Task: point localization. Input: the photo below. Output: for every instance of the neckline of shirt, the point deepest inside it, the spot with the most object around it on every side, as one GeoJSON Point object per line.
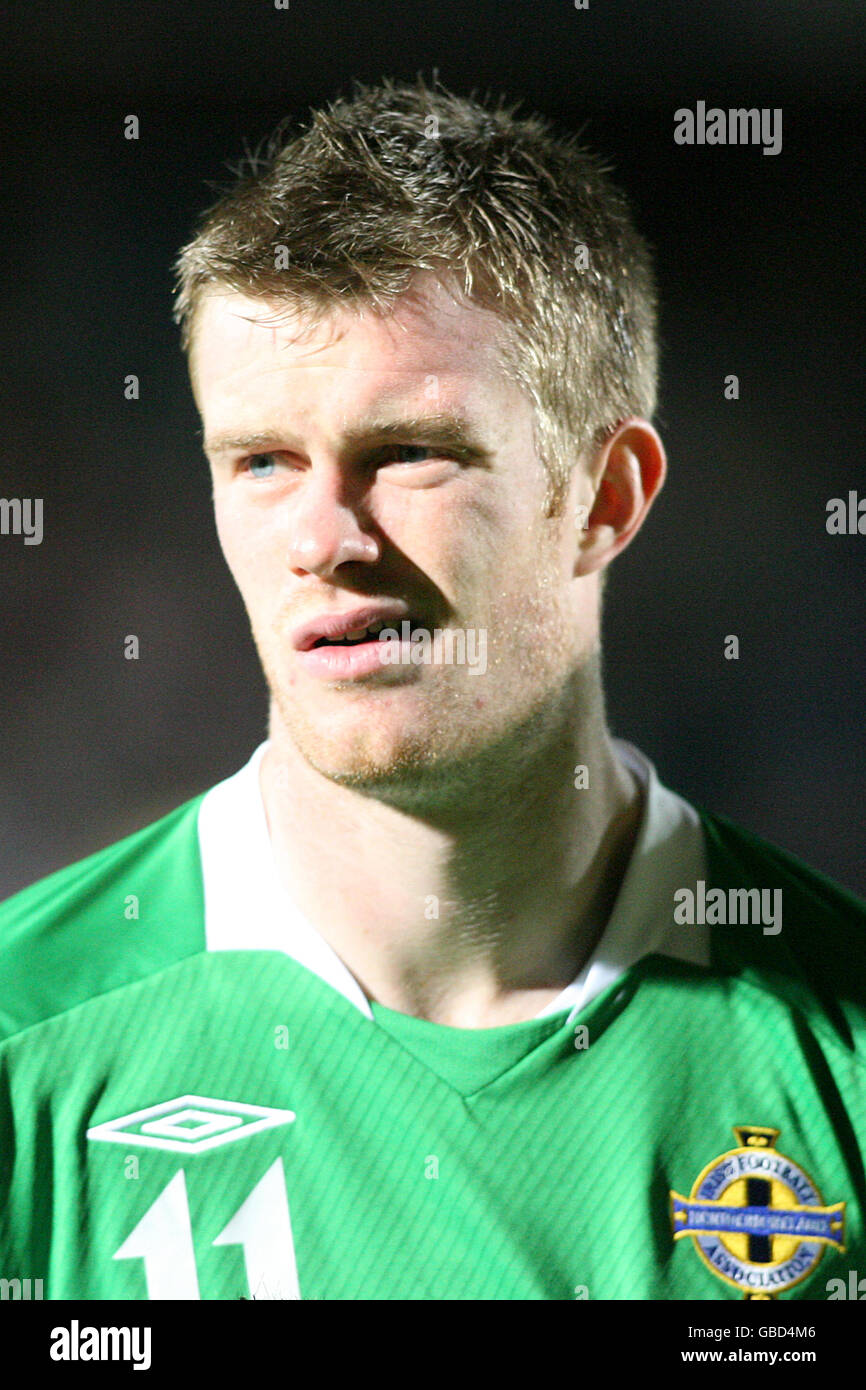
{"type": "Point", "coordinates": [246, 906]}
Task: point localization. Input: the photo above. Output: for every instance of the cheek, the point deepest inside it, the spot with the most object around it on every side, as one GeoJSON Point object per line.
{"type": "Point", "coordinates": [230, 535]}
{"type": "Point", "coordinates": [436, 536]}
{"type": "Point", "coordinates": [225, 529]}
{"type": "Point", "coordinates": [503, 544]}
{"type": "Point", "coordinates": [250, 547]}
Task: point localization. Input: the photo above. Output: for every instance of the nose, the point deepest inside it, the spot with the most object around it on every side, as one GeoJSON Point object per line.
{"type": "Point", "coordinates": [327, 527]}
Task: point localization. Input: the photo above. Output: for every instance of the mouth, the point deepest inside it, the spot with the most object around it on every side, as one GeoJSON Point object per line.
{"type": "Point", "coordinates": [365, 636]}
{"type": "Point", "coordinates": [353, 628]}
{"type": "Point", "coordinates": [349, 646]}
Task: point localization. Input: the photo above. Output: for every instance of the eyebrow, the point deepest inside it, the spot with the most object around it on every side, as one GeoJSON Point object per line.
{"type": "Point", "coordinates": [447, 430]}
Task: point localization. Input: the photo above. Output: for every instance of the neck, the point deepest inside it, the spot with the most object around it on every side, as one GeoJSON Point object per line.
{"type": "Point", "coordinates": [479, 905]}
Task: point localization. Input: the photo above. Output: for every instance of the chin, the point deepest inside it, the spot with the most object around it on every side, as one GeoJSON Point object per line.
{"type": "Point", "coordinates": [366, 757]}
{"type": "Point", "coordinates": [400, 754]}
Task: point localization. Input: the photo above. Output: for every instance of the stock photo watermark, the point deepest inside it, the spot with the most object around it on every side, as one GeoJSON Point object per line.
{"type": "Point", "coordinates": [22, 516]}
{"type": "Point", "coordinates": [417, 646]}
{"type": "Point", "coordinates": [736, 907]}
{"type": "Point", "coordinates": [736, 126]}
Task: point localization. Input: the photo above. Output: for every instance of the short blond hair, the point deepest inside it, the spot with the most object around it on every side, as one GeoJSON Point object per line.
{"type": "Point", "coordinates": [403, 178]}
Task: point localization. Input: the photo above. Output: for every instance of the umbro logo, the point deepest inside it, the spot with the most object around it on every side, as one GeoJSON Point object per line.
{"type": "Point", "coordinates": [190, 1124]}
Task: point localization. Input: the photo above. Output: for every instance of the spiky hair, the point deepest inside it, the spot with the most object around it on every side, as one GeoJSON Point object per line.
{"type": "Point", "coordinates": [403, 178]}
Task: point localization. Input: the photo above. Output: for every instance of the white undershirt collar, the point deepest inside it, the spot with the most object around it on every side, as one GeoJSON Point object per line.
{"type": "Point", "coordinates": [247, 908]}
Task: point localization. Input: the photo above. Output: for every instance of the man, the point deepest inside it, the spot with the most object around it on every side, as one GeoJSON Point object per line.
{"type": "Point", "coordinates": [443, 995]}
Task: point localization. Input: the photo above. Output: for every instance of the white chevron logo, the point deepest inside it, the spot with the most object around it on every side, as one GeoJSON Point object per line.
{"type": "Point", "coordinates": [190, 1124]}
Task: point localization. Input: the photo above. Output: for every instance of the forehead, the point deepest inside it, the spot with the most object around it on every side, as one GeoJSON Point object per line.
{"type": "Point", "coordinates": [427, 341]}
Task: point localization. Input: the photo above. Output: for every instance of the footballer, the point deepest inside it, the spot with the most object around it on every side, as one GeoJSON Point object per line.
{"type": "Point", "coordinates": [444, 995]}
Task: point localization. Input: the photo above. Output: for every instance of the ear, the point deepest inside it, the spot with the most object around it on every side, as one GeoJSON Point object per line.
{"type": "Point", "coordinates": [616, 491]}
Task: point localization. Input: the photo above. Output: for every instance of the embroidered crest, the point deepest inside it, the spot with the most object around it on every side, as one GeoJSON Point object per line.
{"type": "Point", "coordinates": [756, 1218]}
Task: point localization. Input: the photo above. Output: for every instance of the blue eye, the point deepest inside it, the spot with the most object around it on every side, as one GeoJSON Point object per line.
{"type": "Point", "coordinates": [262, 466]}
{"type": "Point", "coordinates": [414, 453]}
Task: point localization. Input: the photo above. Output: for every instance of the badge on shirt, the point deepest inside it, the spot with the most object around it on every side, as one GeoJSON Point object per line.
{"type": "Point", "coordinates": [757, 1220]}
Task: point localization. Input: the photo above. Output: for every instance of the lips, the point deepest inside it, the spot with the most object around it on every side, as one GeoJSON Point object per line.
{"type": "Point", "coordinates": [331, 627]}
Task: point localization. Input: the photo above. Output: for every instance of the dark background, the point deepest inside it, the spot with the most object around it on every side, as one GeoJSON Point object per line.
{"type": "Point", "coordinates": [761, 268]}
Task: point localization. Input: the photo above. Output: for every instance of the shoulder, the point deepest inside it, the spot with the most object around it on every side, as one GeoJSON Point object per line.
{"type": "Point", "coordinates": [738, 854]}
{"type": "Point", "coordinates": [813, 948]}
{"type": "Point", "coordinates": [114, 917]}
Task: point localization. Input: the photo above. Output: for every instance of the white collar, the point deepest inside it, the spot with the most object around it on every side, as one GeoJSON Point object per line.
{"type": "Point", "coordinates": [668, 853]}
{"type": "Point", "coordinates": [247, 908]}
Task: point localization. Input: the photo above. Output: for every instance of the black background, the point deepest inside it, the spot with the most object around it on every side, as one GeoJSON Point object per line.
{"type": "Point", "coordinates": [760, 263]}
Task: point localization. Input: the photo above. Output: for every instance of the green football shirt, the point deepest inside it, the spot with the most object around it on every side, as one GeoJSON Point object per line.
{"type": "Point", "coordinates": [199, 1102]}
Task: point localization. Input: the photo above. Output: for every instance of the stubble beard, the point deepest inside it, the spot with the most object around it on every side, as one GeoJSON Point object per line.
{"type": "Point", "coordinates": [455, 757]}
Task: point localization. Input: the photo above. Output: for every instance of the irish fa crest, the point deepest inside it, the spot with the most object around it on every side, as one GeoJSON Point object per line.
{"type": "Point", "coordinates": [756, 1219]}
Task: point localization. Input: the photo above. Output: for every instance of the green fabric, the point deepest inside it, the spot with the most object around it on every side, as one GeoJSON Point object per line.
{"type": "Point", "coordinates": [467, 1058]}
{"type": "Point", "coordinates": [423, 1162]}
